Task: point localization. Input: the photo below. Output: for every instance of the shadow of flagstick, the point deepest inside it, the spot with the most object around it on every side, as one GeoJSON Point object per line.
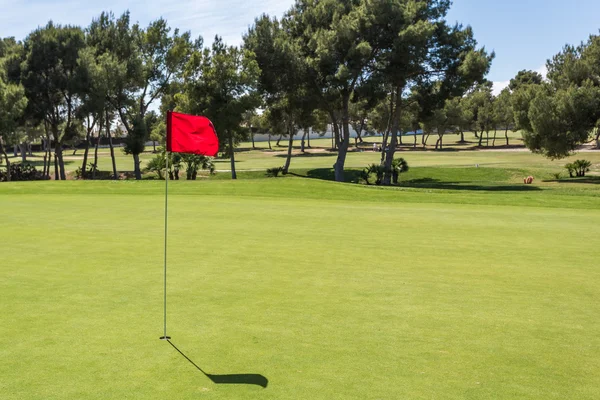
{"type": "Point", "coordinates": [234, 379]}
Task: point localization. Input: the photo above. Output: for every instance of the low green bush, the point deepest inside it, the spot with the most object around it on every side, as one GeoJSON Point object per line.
{"type": "Point", "coordinates": [21, 172]}
{"type": "Point", "coordinates": [578, 168]}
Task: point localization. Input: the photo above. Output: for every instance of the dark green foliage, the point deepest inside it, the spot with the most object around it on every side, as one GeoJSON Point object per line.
{"type": "Point", "coordinates": [399, 165]}
{"type": "Point", "coordinates": [274, 172]}
{"type": "Point", "coordinates": [523, 78]}
{"type": "Point", "coordinates": [175, 161]}
{"type": "Point", "coordinates": [374, 169]}
{"type": "Point", "coordinates": [136, 139]}
{"type": "Point", "coordinates": [194, 162]}
{"type": "Point", "coordinates": [157, 165]}
{"type": "Point", "coordinates": [560, 115]}
{"type": "Point", "coordinates": [561, 120]}
{"type": "Point", "coordinates": [578, 168]}
{"type": "Point", "coordinates": [21, 172]}
{"type": "Point", "coordinates": [91, 170]}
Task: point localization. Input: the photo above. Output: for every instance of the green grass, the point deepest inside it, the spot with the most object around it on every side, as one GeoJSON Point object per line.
{"type": "Point", "coordinates": [463, 286]}
{"type": "Point", "coordinates": [450, 141]}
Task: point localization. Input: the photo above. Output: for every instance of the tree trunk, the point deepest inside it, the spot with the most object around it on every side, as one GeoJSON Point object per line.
{"type": "Point", "coordinates": [337, 133]}
{"type": "Point", "coordinates": [279, 140]}
{"type": "Point", "coordinates": [96, 156]}
{"type": "Point", "coordinates": [45, 159]}
{"type": "Point", "coordinates": [85, 153]}
{"type": "Point", "coordinates": [47, 153]}
{"type": "Point", "coordinates": [56, 177]}
{"type": "Point", "coordinates": [495, 133]}
{"type": "Point", "coordinates": [253, 145]}
{"type": "Point", "coordinates": [425, 138]}
{"type": "Point", "coordinates": [359, 133]}
{"type": "Point", "coordinates": [487, 140]}
{"type": "Point", "coordinates": [462, 137]}
{"type": "Point", "coordinates": [270, 148]}
{"type": "Point", "coordinates": [415, 140]}
{"type": "Point", "coordinates": [288, 160]}
{"type": "Point", "coordinates": [335, 139]}
{"type": "Point", "coordinates": [303, 142]}
{"type": "Point", "coordinates": [23, 150]}
{"type": "Point", "coordinates": [480, 139]}
{"type": "Point", "coordinates": [232, 155]}
{"type": "Point", "coordinates": [3, 152]}
{"type": "Point", "coordinates": [136, 167]}
{"type": "Point", "coordinates": [439, 142]}
{"type": "Point", "coordinates": [154, 146]}
{"type": "Point", "coordinates": [388, 129]}
{"type": "Point", "coordinates": [15, 151]}
{"type": "Point", "coordinates": [112, 149]}
{"type": "Point", "coordinates": [343, 143]}
{"type": "Point", "coordinates": [476, 135]}
{"type": "Point", "coordinates": [597, 138]}
{"type": "Point", "coordinates": [506, 136]}
{"type": "Point", "coordinates": [58, 155]}
{"type": "Point", "coordinates": [308, 140]}
{"type": "Point", "coordinates": [30, 149]}
{"type": "Point", "coordinates": [391, 151]}
{"type": "Point", "coordinates": [384, 144]}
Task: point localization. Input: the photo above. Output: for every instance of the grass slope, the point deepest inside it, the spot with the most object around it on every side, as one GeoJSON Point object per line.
{"type": "Point", "coordinates": [331, 291]}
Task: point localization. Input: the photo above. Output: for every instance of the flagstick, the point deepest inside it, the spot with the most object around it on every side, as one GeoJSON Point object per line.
{"type": "Point", "coordinates": [165, 337]}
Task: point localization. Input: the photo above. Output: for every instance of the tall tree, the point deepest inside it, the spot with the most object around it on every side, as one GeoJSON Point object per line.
{"type": "Point", "coordinates": [334, 36]}
{"type": "Point", "coordinates": [504, 113]}
{"type": "Point", "coordinates": [478, 106]}
{"type": "Point", "coordinates": [139, 66]}
{"type": "Point", "coordinates": [525, 77]}
{"type": "Point", "coordinates": [54, 80]}
{"type": "Point", "coordinates": [12, 107]}
{"type": "Point", "coordinates": [93, 101]}
{"type": "Point", "coordinates": [559, 115]}
{"type": "Point", "coordinates": [220, 83]}
{"type": "Point", "coordinates": [282, 83]}
{"type": "Point", "coordinates": [424, 51]}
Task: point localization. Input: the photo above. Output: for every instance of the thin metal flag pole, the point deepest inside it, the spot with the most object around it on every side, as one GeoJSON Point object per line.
{"type": "Point", "coordinates": [165, 337]}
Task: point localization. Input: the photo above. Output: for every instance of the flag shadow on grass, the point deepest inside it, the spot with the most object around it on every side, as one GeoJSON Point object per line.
{"type": "Point", "coordinates": [233, 379]}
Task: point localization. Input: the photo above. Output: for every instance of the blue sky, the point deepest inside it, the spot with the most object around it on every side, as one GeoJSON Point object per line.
{"type": "Point", "coordinates": [523, 33]}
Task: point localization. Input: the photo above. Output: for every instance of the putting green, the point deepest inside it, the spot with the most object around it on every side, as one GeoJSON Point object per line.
{"type": "Point", "coordinates": [327, 290]}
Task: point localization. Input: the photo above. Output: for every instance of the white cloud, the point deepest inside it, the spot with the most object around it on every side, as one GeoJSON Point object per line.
{"type": "Point", "coordinates": [543, 70]}
{"type": "Point", "coordinates": [499, 87]}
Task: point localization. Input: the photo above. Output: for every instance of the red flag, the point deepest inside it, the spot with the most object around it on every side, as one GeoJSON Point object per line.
{"type": "Point", "coordinates": [191, 134]}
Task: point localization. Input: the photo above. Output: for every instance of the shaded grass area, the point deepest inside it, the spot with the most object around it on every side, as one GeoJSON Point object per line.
{"type": "Point", "coordinates": [469, 294]}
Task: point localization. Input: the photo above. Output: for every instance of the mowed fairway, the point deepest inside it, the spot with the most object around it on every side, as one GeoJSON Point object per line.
{"type": "Point", "coordinates": [330, 291]}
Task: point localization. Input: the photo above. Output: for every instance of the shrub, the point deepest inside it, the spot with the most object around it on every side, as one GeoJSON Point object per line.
{"type": "Point", "coordinates": [194, 162]}
{"type": "Point", "coordinates": [364, 176]}
{"type": "Point", "coordinates": [21, 172]}
{"type": "Point", "coordinates": [399, 165]}
{"type": "Point", "coordinates": [578, 168]}
{"type": "Point", "coordinates": [274, 172]}
{"type": "Point", "coordinates": [156, 165]}
{"type": "Point", "coordinates": [89, 173]}
{"type": "Point", "coordinates": [377, 170]}
{"type": "Point", "coordinates": [557, 175]}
